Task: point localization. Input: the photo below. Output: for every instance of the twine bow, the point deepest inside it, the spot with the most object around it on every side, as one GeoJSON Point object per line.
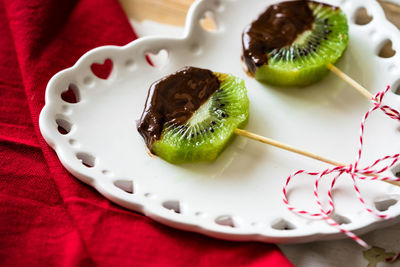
{"type": "Point", "coordinates": [370, 172]}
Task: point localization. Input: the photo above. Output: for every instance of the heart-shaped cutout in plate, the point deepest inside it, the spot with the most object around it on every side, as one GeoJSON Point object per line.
{"type": "Point", "coordinates": [157, 60]}
{"type": "Point", "coordinates": [103, 71]}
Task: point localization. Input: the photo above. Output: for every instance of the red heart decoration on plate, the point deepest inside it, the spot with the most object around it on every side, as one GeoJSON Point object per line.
{"type": "Point", "coordinates": [102, 71]}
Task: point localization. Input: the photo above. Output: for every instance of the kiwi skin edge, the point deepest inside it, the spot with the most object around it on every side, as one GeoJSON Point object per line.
{"type": "Point", "coordinates": [268, 75]}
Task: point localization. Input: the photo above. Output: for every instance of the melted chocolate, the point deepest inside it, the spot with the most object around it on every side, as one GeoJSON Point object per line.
{"type": "Point", "coordinates": [174, 99]}
{"type": "Point", "coordinates": [277, 27]}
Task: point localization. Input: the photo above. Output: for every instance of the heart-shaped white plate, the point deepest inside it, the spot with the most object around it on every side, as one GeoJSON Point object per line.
{"type": "Point", "coordinates": [238, 197]}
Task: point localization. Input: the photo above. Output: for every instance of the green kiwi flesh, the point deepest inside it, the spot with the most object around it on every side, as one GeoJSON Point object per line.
{"type": "Point", "coordinates": [304, 62]}
{"type": "Point", "coordinates": [210, 129]}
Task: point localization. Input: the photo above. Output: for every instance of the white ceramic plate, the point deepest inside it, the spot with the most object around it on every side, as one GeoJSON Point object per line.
{"type": "Point", "coordinates": [239, 196]}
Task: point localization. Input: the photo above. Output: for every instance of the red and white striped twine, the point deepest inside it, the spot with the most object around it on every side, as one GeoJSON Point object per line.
{"type": "Point", "coordinates": [393, 259]}
{"type": "Point", "coordinates": [367, 173]}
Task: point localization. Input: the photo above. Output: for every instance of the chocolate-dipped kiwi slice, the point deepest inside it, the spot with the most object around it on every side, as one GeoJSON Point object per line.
{"type": "Point", "coordinates": [291, 43]}
{"type": "Point", "coordinates": [191, 115]}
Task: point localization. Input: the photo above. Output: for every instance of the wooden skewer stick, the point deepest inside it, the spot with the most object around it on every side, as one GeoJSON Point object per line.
{"type": "Point", "coordinates": [286, 147]}
{"type": "Point", "coordinates": [350, 81]}
{"type": "Point", "coordinates": [274, 143]}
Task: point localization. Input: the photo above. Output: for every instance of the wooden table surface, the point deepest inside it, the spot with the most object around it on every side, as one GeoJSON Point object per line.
{"type": "Point", "coordinates": [339, 253]}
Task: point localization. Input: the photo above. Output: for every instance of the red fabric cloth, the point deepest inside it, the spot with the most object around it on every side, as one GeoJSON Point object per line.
{"type": "Point", "coordinates": [47, 217]}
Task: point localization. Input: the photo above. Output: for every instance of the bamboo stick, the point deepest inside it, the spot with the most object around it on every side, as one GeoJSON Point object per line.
{"type": "Point", "coordinates": [283, 146]}
{"type": "Point", "coordinates": [299, 151]}
{"type": "Point", "coordinates": [350, 81]}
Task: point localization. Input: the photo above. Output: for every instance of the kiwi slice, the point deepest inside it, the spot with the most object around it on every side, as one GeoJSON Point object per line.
{"type": "Point", "coordinates": [292, 42]}
{"type": "Point", "coordinates": [198, 130]}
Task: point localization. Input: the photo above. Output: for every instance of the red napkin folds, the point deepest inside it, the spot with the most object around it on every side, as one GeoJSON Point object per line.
{"type": "Point", "coordinates": [47, 217]}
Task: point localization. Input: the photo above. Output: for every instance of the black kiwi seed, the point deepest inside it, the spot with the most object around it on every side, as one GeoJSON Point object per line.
{"type": "Point", "coordinates": [211, 130]}
{"type": "Point", "coordinates": [213, 123]}
{"type": "Point", "coordinates": [222, 105]}
{"type": "Point", "coordinates": [192, 135]}
{"type": "Point", "coordinates": [223, 115]}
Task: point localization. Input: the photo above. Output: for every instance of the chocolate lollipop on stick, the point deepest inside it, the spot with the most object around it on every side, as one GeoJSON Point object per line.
{"type": "Point", "coordinates": [296, 43]}
{"type": "Point", "coordinates": [192, 115]}
{"type": "Point", "coordinates": [291, 43]}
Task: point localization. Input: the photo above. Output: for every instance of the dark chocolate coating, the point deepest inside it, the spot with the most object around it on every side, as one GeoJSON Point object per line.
{"type": "Point", "coordinates": [173, 99]}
